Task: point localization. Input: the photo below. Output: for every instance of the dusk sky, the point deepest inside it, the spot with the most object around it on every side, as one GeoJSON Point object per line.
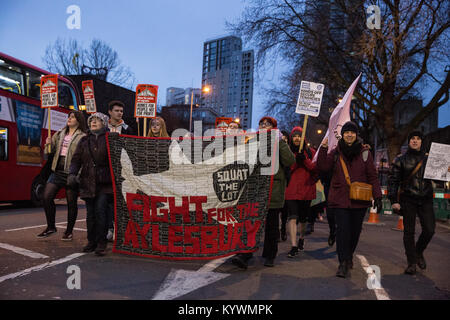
{"type": "Point", "coordinates": [161, 41]}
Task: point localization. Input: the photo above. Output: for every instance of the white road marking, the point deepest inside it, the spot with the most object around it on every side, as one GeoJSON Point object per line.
{"type": "Point", "coordinates": [44, 225]}
{"type": "Point", "coordinates": [181, 282]}
{"type": "Point", "coordinates": [380, 293]}
{"type": "Point", "coordinates": [40, 267]}
{"type": "Point", "coordinates": [23, 251]}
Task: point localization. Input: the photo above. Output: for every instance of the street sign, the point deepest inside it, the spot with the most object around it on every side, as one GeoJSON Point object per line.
{"type": "Point", "coordinates": [309, 98]}
{"type": "Point", "coordinates": [89, 99]}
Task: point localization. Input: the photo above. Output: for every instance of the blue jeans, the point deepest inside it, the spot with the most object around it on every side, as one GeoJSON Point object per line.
{"type": "Point", "coordinates": [97, 218]}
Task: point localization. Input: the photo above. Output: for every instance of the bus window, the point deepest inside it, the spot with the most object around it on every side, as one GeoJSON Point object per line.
{"type": "Point", "coordinates": [11, 78]}
{"type": "Point", "coordinates": [34, 85]}
{"type": "Point", "coordinates": [66, 96]}
{"type": "Point", "coordinates": [3, 144]}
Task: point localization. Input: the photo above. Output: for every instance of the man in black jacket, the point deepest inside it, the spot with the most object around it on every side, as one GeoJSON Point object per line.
{"type": "Point", "coordinates": [413, 195]}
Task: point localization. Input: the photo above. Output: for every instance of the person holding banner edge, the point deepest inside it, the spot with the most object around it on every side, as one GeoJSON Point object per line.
{"type": "Point", "coordinates": [271, 232]}
{"type": "Point", "coordinates": [353, 172]}
{"type": "Point", "coordinates": [96, 190]}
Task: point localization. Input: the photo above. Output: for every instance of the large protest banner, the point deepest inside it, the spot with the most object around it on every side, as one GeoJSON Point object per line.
{"type": "Point", "coordinates": [191, 198]}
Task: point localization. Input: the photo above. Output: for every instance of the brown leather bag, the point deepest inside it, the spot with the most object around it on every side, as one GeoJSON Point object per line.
{"type": "Point", "coordinates": [358, 190]}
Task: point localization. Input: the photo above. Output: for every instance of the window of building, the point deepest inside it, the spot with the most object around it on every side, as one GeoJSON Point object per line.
{"type": "Point", "coordinates": [3, 144]}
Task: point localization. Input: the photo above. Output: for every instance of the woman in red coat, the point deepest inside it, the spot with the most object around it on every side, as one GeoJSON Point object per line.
{"type": "Point", "coordinates": [349, 213]}
{"type": "Point", "coordinates": [300, 191]}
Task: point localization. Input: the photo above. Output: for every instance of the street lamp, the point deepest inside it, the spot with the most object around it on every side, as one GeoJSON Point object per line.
{"type": "Point", "coordinates": [205, 89]}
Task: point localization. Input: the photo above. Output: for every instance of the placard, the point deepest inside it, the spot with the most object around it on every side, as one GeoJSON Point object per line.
{"type": "Point", "coordinates": [89, 98]}
{"type": "Point", "coordinates": [49, 91]}
{"type": "Point", "coordinates": [310, 98]}
{"type": "Point", "coordinates": [438, 162]}
{"type": "Point", "coordinates": [146, 97]}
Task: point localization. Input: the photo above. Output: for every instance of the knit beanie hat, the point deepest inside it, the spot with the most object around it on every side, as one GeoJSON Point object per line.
{"type": "Point", "coordinates": [415, 133]}
{"type": "Point", "coordinates": [296, 131]}
{"type": "Point", "coordinates": [349, 126]}
{"type": "Point", "coordinates": [103, 118]}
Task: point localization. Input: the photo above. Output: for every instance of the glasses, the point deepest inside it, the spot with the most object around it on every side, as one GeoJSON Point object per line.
{"type": "Point", "coordinates": [265, 124]}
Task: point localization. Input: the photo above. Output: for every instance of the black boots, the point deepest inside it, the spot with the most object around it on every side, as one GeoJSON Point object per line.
{"type": "Point", "coordinates": [331, 239]}
{"type": "Point", "coordinates": [344, 269]}
{"type": "Point", "coordinates": [241, 260]}
{"type": "Point", "coordinates": [411, 269]}
{"type": "Point", "coordinates": [421, 263]}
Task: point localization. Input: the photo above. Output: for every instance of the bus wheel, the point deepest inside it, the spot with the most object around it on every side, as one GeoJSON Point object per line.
{"type": "Point", "coordinates": [37, 192]}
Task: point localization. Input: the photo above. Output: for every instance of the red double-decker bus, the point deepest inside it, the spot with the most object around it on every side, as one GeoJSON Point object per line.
{"type": "Point", "coordinates": [24, 128]}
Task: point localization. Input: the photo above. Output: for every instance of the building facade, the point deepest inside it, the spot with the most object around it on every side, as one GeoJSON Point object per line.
{"type": "Point", "coordinates": [228, 71]}
{"type": "Point", "coordinates": [178, 117]}
{"type": "Point", "coordinates": [177, 96]}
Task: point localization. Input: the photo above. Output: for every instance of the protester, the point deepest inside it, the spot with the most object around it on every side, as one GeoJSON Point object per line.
{"type": "Point", "coordinates": [300, 190]}
{"type": "Point", "coordinates": [63, 145]}
{"type": "Point", "coordinates": [325, 178]}
{"type": "Point", "coordinates": [284, 210]}
{"type": "Point", "coordinates": [115, 123]}
{"type": "Point", "coordinates": [234, 127]}
{"type": "Point", "coordinates": [271, 234]}
{"type": "Point", "coordinates": [91, 157]}
{"type": "Point", "coordinates": [413, 195]}
{"type": "Point", "coordinates": [349, 155]}
{"type": "Point", "coordinates": [157, 128]}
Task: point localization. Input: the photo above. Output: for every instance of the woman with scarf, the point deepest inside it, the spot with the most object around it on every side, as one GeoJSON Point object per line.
{"type": "Point", "coordinates": [349, 213]}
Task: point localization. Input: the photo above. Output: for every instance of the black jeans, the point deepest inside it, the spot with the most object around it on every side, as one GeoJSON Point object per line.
{"type": "Point", "coordinates": [349, 225]}
{"type": "Point", "coordinates": [271, 234]}
{"type": "Point", "coordinates": [284, 216]}
{"type": "Point", "coordinates": [97, 218]}
{"type": "Point", "coordinates": [423, 209]}
{"type": "Point", "coordinates": [56, 182]}
{"type": "Point", "coordinates": [331, 218]}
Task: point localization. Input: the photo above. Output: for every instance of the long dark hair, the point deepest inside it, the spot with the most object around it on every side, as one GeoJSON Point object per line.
{"type": "Point", "coordinates": [81, 121]}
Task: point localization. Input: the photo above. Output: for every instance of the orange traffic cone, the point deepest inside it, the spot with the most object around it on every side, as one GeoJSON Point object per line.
{"type": "Point", "coordinates": [373, 216]}
{"type": "Point", "coordinates": [399, 224]}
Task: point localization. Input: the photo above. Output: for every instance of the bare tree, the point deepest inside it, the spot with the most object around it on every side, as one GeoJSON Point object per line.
{"type": "Point", "coordinates": [407, 53]}
{"type": "Point", "coordinates": [68, 57]}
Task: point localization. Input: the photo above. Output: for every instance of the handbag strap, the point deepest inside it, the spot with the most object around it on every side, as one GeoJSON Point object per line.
{"type": "Point", "coordinates": [403, 183]}
{"type": "Point", "coordinates": [344, 167]}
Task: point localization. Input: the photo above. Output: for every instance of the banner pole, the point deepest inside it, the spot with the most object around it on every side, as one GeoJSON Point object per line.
{"type": "Point", "coordinates": [137, 120]}
{"type": "Point", "coordinates": [145, 128]}
{"type": "Point", "coordinates": [305, 122]}
{"type": "Point", "coordinates": [49, 129]}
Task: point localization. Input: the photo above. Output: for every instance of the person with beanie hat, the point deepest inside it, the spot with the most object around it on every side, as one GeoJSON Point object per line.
{"type": "Point", "coordinates": [300, 191]}
{"type": "Point", "coordinates": [349, 213]}
{"type": "Point", "coordinates": [91, 157]}
{"type": "Point", "coordinates": [409, 192]}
